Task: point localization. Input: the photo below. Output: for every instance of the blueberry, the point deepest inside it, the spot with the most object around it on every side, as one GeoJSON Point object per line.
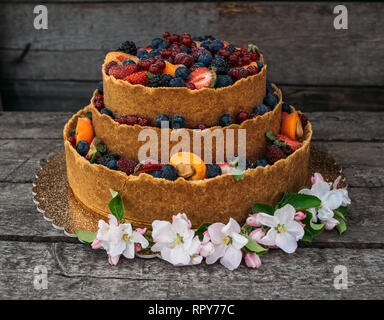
{"type": "Point", "coordinates": [100, 87]}
{"type": "Point", "coordinates": [197, 38]}
{"type": "Point", "coordinates": [82, 148]}
{"type": "Point", "coordinates": [73, 133]}
{"type": "Point", "coordinates": [225, 120]}
{"type": "Point", "coordinates": [161, 117]}
{"type": "Point", "coordinates": [112, 164]}
{"type": "Point", "coordinates": [177, 82]}
{"type": "Point", "coordinates": [216, 45]}
{"type": "Point", "coordinates": [260, 163]}
{"type": "Point", "coordinates": [182, 72]}
{"type": "Point", "coordinates": [198, 65]}
{"type": "Point", "coordinates": [213, 170]}
{"type": "Point", "coordinates": [163, 45]}
{"type": "Point", "coordinates": [154, 53]}
{"type": "Point", "coordinates": [155, 174]}
{"type": "Point", "coordinates": [142, 53]}
{"type": "Point", "coordinates": [185, 49]}
{"type": "Point", "coordinates": [205, 59]}
{"type": "Point", "coordinates": [260, 109]}
{"type": "Point", "coordinates": [169, 172]}
{"type": "Point", "coordinates": [129, 61]}
{"type": "Point", "coordinates": [223, 81]}
{"type": "Point", "coordinates": [270, 89]}
{"type": "Point", "coordinates": [286, 108]}
{"type": "Point", "coordinates": [177, 122]}
{"type": "Point", "coordinates": [107, 112]}
{"type": "Point", "coordinates": [156, 42]}
{"type": "Point", "coordinates": [259, 65]}
{"type": "Point", "coordinates": [206, 44]}
{"type": "Point", "coordinates": [271, 100]}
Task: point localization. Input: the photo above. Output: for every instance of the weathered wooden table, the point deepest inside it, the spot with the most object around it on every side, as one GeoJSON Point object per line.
{"type": "Point", "coordinates": [28, 243]}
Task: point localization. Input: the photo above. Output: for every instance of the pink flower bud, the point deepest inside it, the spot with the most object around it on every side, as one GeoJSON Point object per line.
{"type": "Point", "coordinates": [257, 234]}
{"type": "Point", "coordinates": [300, 216]}
{"type": "Point", "coordinates": [207, 249]}
{"type": "Point", "coordinates": [96, 244]}
{"type": "Point", "coordinates": [207, 237]}
{"type": "Point", "coordinates": [141, 231]}
{"type": "Point", "coordinates": [317, 177]}
{"type": "Point", "coordinates": [252, 260]}
{"type": "Point", "coordinates": [330, 223]}
{"type": "Point", "coordinates": [113, 260]}
{"type": "Point", "coordinates": [252, 221]}
{"type": "Point", "coordinates": [302, 224]}
{"type": "Point", "coordinates": [137, 247]}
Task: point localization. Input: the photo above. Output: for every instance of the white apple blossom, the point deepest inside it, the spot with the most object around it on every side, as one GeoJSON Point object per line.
{"type": "Point", "coordinates": [228, 243]}
{"type": "Point", "coordinates": [343, 192]}
{"type": "Point", "coordinates": [176, 241]}
{"type": "Point", "coordinates": [284, 231]}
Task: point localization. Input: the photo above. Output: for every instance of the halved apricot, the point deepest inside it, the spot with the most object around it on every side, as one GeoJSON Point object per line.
{"type": "Point", "coordinates": [84, 130]}
{"type": "Point", "coordinates": [119, 57]}
{"type": "Point", "coordinates": [184, 161]}
{"type": "Point", "coordinates": [292, 127]}
{"type": "Point", "coordinates": [253, 63]}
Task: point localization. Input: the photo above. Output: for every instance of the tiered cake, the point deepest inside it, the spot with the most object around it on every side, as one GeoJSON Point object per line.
{"type": "Point", "coordinates": [194, 86]}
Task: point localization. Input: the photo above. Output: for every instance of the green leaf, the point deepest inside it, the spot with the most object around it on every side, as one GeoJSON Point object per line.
{"type": "Point", "coordinates": [116, 205]}
{"type": "Point", "coordinates": [343, 210]}
{"type": "Point", "coordinates": [262, 207]}
{"type": "Point", "coordinates": [270, 136]}
{"type": "Point", "coordinates": [299, 201]}
{"type": "Point", "coordinates": [238, 173]}
{"type": "Point", "coordinates": [311, 229]}
{"type": "Point", "coordinates": [200, 230]}
{"type": "Point", "coordinates": [89, 115]}
{"type": "Point", "coordinates": [253, 246]}
{"type": "Point", "coordinates": [342, 226]}
{"type": "Point", "coordinates": [86, 236]}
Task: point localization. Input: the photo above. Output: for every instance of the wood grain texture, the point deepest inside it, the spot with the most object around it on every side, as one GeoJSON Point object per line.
{"type": "Point", "coordinates": [76, 272]}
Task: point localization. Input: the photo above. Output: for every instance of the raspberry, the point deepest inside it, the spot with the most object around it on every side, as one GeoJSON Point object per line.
{"type": "Point", "coordinates": [138, 78]}
{"type": "Point", "coordinates": [99, 105]}
{"type": "Point", "coordinates": [191, 86]}
{"type": "Point", "coordinates": [233, 60]}
{"type": "Point", "coordinates": [121, 120]}
{"type": "Point", "coordinates": [183, 58]}
{"type": "Point", "coordinates": [254, 55]}
{"type": "Point", "coordinates": [186, 41]}
{"type": "Point", "coordinates": [198, 51]}
{"type": "Point", "coordinates": [166, 53]}
{"type": "Point", "coordinates": [238, 73]}
{"type": "Point", "coordinates": [274, 154]}
{"type": "Point", "coordinates": [242, 116]}
{"type": "Point", "coordinates": [166, 35]}
{"type": "Point", "coordinates": [132, 119]}
{"type": "Point", "coordinates": [246, 59]}
{"type": "Point", "coordinates": [98, 98]}
{"type": "Point", "coordinates": [123, 71]}
{"type": "Point", "coordinates": [154, 69]}
{"type": "Point", "coordinates": [110, 65]}
{"type": "Point", "coordinates": [72, 140]}
{"type": "Point", "coordinates": [201, 126]}
{"type": "Point", "coordinates": [252, 70]}
{"type": "Point", "coordinates": [304, 119]}
{"type": "Point", "coordinates": [144, 122]}
{"type": "Point", "coordinates": [144, 64]}
{"type": "Point", "coordinates": [224, 52]}
{"type": "Point", "coordinates": [175, 38]}
{"type": "Point", "coordinates": [127, 166]}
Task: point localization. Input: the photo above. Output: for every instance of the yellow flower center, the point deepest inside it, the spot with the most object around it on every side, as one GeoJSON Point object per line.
{"type": "Point", "coordinates": [227, 240]}
{"type": "Point", "coordinates": [280, 228]}
{"type": "Point", "coordinates": [126, 237]}
{"type": "Point", "coordinates": [177, 240]}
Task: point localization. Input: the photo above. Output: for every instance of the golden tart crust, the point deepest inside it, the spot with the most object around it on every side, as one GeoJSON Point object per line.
{"type": "Point", "coordinates": [210, 200]}
{"type": "Point", "coordinates": [196, 106]}
{"type": "Point", "coordinates": [124, 139]}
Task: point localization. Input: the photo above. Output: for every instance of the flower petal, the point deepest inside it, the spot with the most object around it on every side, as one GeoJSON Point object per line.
{"type": "Point", "coordinates": [270, 238]}
{"type": "Point", "coordinates": [320, 189]}
{"type": "Point", "coordinates": [218, 253]}
{"type": "Point", "coordinates": [162, 231]}
{"type": "Point", "coordinates": [286, 242]}
{"type": "Point", "coordinates": [138, 238]}
{"type": "Point", "coordinates": [232, 258]}
{"type": "Point", "coordinates": [112, 220]}
{"type": "Point", "coordinates": [285, 214]}
{"type": "Point", "coordinates": [295, 229]}
{"type": "Point", "coordinates": [231, 227]}
{"type": "Point", "coordinates": [332, 200]}
{"type": "Point", "coordinates": [324, 213]}
{"type": "Point", "coordinates": [216, 233]}
{"type": "Point", "coordinates": [129, 251]}
{"type": "Point", "coordinates": [238, 241]}
{"type": "Point", "coordinates": [267, 220]}
{"type": "Point", "coordinates": [179, 225]}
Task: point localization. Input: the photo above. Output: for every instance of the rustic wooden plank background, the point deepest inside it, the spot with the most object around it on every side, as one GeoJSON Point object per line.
{"type": "Point", "coordinates": [318, 67]}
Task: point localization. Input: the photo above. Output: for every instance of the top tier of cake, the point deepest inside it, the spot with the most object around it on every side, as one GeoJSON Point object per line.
{"type": "Point", "coordinates": [198, 80]}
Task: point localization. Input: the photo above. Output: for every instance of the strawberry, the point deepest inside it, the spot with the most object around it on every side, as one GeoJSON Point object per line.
{"type": "Point", "coordinates": [123, 71]}
{"type": "Point", "coordinates": [148, 49]}
{"type": "Point", "coordinates": [292, 143]}
{"type": "Point", "coordinates": [225, 167]}
{"type": "Point", "coordinates": [148, 165]}
{"type": "Point", "coordinates": [96, 149]}
{"type": "Point", "coordinates": [138, 78]}
{"type": "Point", "coordinates": [284, 115]}
{"type": "Point", "coordinates": [203, 78]}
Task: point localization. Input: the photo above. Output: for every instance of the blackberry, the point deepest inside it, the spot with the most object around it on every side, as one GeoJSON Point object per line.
{"type": "Point", "coordinates": [161, 118]}
{"type": "Point", "coordinates": [220, 64]}
{"type": "Point", "coordinates": [82, 148]}
{"type": "Point", "coordinates": [128, 47]}
{"type": "Point", "coordinates": [104, 160]}
{"type": "Point", "coordinates": [182, 73]}
{"type": "Point", "coordinates": [169, 172]}
{"type": "Point", "coordinates": [271, 100]}
{"type": "Point", "coordinates": [209, 37]}
{"type": "Point", "coordinates": [213, 170]}
{"type": "Point", "coordinates": [112, 165]}
{"type": "Point", "coordinates": [225, 120]}
{"type": "Point", "coordinates": [286, 108]}
{"type": "Point", "coordinates": [155, 174]}
{"type": "Point", "coordinates": [231, 48]}
{"type": "Point", "coordinates": [160, 80]}
{"type": "Point", "coordinates": [177, 82]}
{"type": "Point", "coordinates": [223, 81]}
{"type": "Point", "coordinates": [177, 122]}
{"type": "Point", "coordinates": [260, 109]}
{"type": "Point", "coordinates": [107, 112]}
{"type": "Point", "coordinates": [100, 87]}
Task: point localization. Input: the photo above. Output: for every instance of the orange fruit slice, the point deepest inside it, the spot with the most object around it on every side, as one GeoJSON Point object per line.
{"type": "Point", "coordinates": [253, 63]}
{"type": "Point", "coordinates": [119, 57]}
{"type": "Point", "coordinates": [186, 158]}
{"type": "Point", "coordinates": [84, 130]}
{"type": "Point", "coordinates": [170, 68]}
{"type": "Point", "coordinates": [292, 126]}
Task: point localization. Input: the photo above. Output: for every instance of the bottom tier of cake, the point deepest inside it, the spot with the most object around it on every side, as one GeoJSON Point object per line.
{"type": "Point", "coordinates": [147, 198]}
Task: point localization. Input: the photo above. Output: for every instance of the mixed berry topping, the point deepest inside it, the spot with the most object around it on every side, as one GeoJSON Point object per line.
{"type": "Point", "coordinates": [192, 62]}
